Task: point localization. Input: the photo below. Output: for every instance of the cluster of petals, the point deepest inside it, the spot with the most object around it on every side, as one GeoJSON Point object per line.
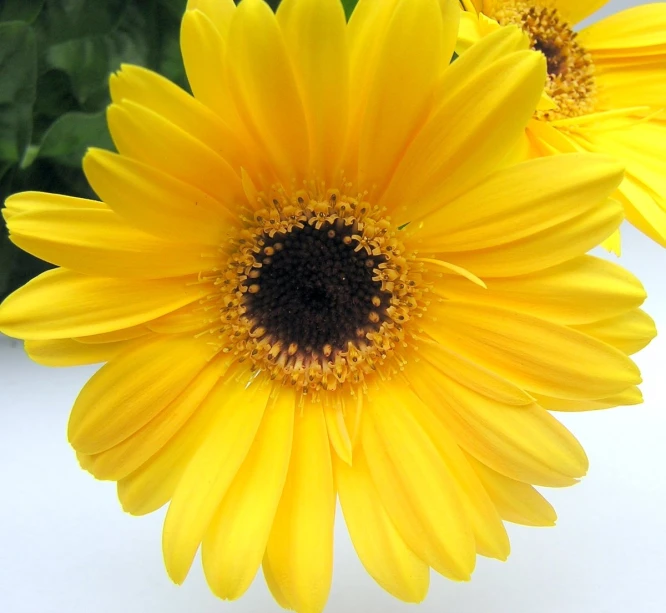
{"type": "Point", "coordinates": [451, 428]}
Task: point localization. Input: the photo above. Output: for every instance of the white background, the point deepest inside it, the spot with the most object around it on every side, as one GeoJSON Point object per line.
{"type": "Point", "coordinates": [67, 547]}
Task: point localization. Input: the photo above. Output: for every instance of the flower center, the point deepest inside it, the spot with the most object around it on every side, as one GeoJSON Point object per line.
{"type": "Point", "coordinates": [570, 82]}
{"type": "Point", "coordinates": [317, 290]}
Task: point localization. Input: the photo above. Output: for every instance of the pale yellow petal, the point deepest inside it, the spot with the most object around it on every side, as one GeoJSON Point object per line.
{"type": "Point", "coordinates": [155, 202]}
{"type": "Point", "coordinates": [518, 202]}
{"type": "Point", "coordinates": [381, 549]}
{"type": "Point", "coordinates": [467, 136]}
{"type": "Point", "coordinates": [128, 392]}
{"type": "Point", "coordinates": [99, 242]}
{"type": "Point", "coordinates": [400, 91]}
{"type": "Point", "coordinates": [516, 502]}
{"type": "Point", "coordinates": [265, 90]}
{"type": "Point", "coordinates": [524, 443]}
{"type": "Point", "coordinates": [146, 136]}
{"type": "Point", "coordinates": [211, 471]}
{"type": "Point", "coordinates": [630, 396]}
{"type": "Point", "coordinates": [131, 453]}
{"type": "Point", "coordinates": [67, 352]}
{"type": "Point", "coordinates": [629, 332]}
{"type": "Point", "coordinates": [44, 308]}
{"type": "Point", "coordinates": [416, 487]}
{"type": "Point", "coordinates": [578, 291]}
{"type": "Point", "coordinates": [233, 547]}
{"type": "Point", "coordinates": [533, 353]}
{"type": "Point", "coordinates": [300, 547]}
{"type": "Point", "coordinates": [315, 34]}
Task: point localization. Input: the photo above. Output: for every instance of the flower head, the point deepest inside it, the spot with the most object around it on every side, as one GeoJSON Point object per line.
{"type": "Point", "coordinates": [606, 90]}
{"type": "Point", "coordinates": [318, 278]}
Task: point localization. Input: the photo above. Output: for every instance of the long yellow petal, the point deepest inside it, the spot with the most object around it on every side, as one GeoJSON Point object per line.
{"type": "Point", "coordinates": [524, 443]}
{"type": "Point", "coordinates": [300, 547]}
{"type": "Point", "coordinates": [43, 308]}
{"type": "Point", "coordinates": [533, 353]}
{"type": "Point", "coordinates": [416, 487]}
{"type": "Point", "coordinates": [67, 352]}
{"type": "Point", "coordinates": [467, 136]}
{"type": "Point", "coordinates": [233, 547]}
{"type": "Point", "coordinates": [513, 208]}
{"type": "Point", "coordinates": [381, 549]}
{"type": "Point", "coordinates": [155, 202]}
{"type": "Point", "coordinates": [578, 291]}
{"type": "Point", "coordinates": [315, 34]}
{"type": "Point", "coordinates": [125, 394]}
{"type": "Point", "coordinates": [516, 502]}
{"type": "Point", "coordinates": [629, 332]}
{"type": "Point", "coordinates": [211, 471]}
{"type": "Point", "coordinates": [146, 136]}
{"type": "Point", "coordinates": [99, 242]}
{"type": "Point", "coordinates": [400, 92]}
{"type": "Point", "coordinates": [265, 90]}
{"type": "Point", "coordinates": [130, 454]}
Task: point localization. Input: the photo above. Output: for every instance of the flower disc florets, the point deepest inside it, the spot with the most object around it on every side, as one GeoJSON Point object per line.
{"type": "Point", "coordinates": [317, 290]}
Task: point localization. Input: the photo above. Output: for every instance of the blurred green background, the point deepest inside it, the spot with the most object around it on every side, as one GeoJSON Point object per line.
{"type": "Point", "coordinates": [55, 61]}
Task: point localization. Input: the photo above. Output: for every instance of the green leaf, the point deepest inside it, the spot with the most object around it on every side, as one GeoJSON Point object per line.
{"type": "Point", "coordinates": [20, 10]}
{"type": "Point", "coordinates": [349, 5]}
{"type": "Point", "coordinates": [18, 67]}
{"type": "Point", "coordinates": [63, 20]}
{"type": "Point", "coordinates": [68, 138]}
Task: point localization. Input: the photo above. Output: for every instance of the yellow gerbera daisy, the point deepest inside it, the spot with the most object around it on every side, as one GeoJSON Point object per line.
{"type": "Point", "coordinates": [607, 90]}
{"type": "Point", "coordinates": [317, 278]}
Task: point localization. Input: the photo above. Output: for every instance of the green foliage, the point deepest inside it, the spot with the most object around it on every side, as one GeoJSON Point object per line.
{"type": "Point", "coordinates": [55, 60]}
{"type": "Point", "coordinates": [349, 5]}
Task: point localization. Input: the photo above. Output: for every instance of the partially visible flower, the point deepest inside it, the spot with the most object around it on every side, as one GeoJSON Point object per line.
{"type": "Point", "coordinates": [607, 88]}
{"type": "Point", "coordinates": [318, 278]}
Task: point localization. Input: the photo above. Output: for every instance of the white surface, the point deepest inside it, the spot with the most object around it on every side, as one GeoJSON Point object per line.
{"type": "Point", "coordinates": [67, 547]}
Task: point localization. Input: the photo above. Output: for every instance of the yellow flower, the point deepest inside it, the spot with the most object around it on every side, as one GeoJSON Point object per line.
{"type": "Point", "coordinates": [317, 278]}
{"type": "Point", "coordinates": [607, 88]}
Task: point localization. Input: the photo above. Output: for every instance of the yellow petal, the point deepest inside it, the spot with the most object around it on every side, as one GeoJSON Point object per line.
{"type": "Point", "coordinates": [525, 443]}
{"type": "Point", "coordinates": [234, 545]}
{"type": "Point", "coordinates": [131, 453]}
{"type": "Point", "coordinates": [408, 66]}
{"type": "Point", "coordinates": [265, 89]}
{"type": "Point", "coordinates": [533, 353]}
{"type": "Point", "coordinates": [472, 375]}
{"type": "Point", "coordinates": [315, 34]}
{"type": "Point", "coordinates": [381, 549]}
{"type": "Point", "coordinates": [545, 249]}
{"type": "Point", "coordinates": [489, 533]}
{"type": "Point", "coordinates": [154, 202]}
{"type": "Point", "coordinates": [338, 434]}
{"type": "Point", "coordinates": [60, 304]}
{"type": "Point", "coordinates": [99, 242]}
{"type": "Point", "coordinates": [300, 547]}
{"type": "Point", "coordinates": [33, 202]}
{"type": "Point", "coordinates": [629, 332]}
{"type": "Point", "coordinates": [125, 394]}
{"type": "Point", "coordinates": [152, 485]}
{"type": "Point", "coordinates": [467, 136]}
{"type": "Point", "coordinates": [513, 208]}
{"type": "Point", "coordinates": [636, 27]}
{"type": "Point", "coordinates": [67, 352]}
{"type": "Point", "coordinates": [631, 396]}
{"type": "Point", "coordinates": [158, 94]}
{"type": "Point", "coordinates": [210, 472]}
{"type": "Point", "coordinates": [144, 135]}
{"type": "Point", "coordinates": [578, 291]}
{"type": "Point", "coordinates": [203, 43]}
{"type": "Point", "coordinates": [415, 486]}
{"type": "Point", "coordinates": [516, 502]}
